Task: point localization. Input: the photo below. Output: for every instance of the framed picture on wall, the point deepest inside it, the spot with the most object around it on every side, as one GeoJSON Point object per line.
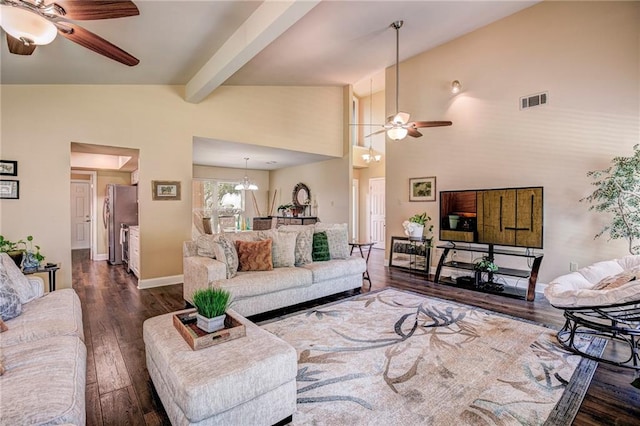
{"type": "Point", "coordinates": [10, 189]}
{"type": "Point", "coordinates": [165, 190]}
{"type": "Point", "coordinates": [422, 189]}
{"type": "Point", "coordinates": [8, 168]}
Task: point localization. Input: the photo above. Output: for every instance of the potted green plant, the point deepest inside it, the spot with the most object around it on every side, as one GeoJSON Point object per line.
{"type": "Point", "coordinates": [618, 193]}
{"type": "Point", "coordinates": [211, 304]}
{"type": "Point", "coordinates": [32, 258]}
{"type": "Point", "coordinates": [484, 265]}
{"type": "Point", "coordinates": [416, 225]}
{"type": "Point", "coordinates": [13, 249]}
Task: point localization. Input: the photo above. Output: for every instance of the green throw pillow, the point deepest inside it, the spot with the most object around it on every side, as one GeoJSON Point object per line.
{"type": "Point", "coordinates": [320, 249]}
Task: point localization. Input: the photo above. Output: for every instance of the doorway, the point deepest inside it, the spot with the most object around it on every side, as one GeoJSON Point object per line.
{"type": "Point", "coordinates": [83, 211]}
{"type": "Point", "coordinates": [377, 211]}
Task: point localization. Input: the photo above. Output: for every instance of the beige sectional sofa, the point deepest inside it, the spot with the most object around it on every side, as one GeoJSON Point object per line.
{"type": "Point", "coordinates": [290, 282]}
{"type": "Point", "coordinates": [42, 352]}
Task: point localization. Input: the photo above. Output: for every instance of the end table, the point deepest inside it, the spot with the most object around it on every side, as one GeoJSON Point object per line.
{"type": "Point", "coordinates": [368, 245]}
{"type": "Point", "coordinates": [51, 270]}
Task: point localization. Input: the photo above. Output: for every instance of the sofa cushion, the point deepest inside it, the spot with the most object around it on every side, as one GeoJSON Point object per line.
{"type": "Point", "coordinates": [578, 288]}
{"type": "Point", "coordinates": [55, 314]}
{"type": "Point", "coordinates": [304, 242]}
{"type": "Point", "coordinates": [320, 250]}
{"type": "Point", "coordinates": [44, 382]}
{"type": "Point", "coordinates": [254, 255]}
{"type": "Point", "coordinates": [249, 284]}
{"type": "Point", "coordinates": [336, 268]}
{"type": "Point", "coordinates": [615, 281]}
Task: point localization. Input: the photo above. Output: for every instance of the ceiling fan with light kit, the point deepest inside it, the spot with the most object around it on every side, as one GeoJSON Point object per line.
{"type": "Point", "coordinates": [398, 126]}
{"type": "Point", "coordinates": [32, 23]}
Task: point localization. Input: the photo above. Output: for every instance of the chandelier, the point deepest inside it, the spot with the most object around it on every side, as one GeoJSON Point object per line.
{"type": "Point", "coordinates": [371, 155]}
{"type": "Point", "coordinates": [246, 184]}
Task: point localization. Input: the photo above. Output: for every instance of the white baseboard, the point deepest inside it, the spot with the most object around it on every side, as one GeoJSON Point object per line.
{"type": "Point", "coordinates": [161, 281]}
{"type": "Point", "coordinates": [100, 257]}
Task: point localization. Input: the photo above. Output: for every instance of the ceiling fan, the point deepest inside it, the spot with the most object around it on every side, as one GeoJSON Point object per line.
{"type": "Point", "coordinates": [30, 23]}
{"type": "Point", "coordinates": [398, 126]}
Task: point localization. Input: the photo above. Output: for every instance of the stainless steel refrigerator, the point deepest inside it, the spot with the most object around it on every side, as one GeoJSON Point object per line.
{"type": "Point", "coordinates": [120, 208]}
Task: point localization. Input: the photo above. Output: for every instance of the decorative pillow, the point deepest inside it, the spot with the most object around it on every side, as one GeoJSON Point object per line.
{"type": "Point", "coordinates": [205, 245]}
{"type": "Point", "coordinates": [17, 280]}
{"type": "Point", "coordinates": [304, 242]}
{"type": "Point", "coordinates": [283, 247]}
{"type": "Point", "coordinates": [10, 306]}
{"type": "Point", "coordinates": [320, 250]}
{"type": "Point", "coordinates": [338, 240]}
{"type": "Point", "coordinates": [254, 255]}
{"type": "Point", "coordinates": [3, 326]}
{"type": "Point", "coordinates": [226, 252]}
{"type": "Point", "coordinates": [615, 281]}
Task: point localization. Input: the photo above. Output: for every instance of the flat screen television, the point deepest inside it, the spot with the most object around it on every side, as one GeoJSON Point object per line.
{"type": "Point", "coordinates": [502, 216]}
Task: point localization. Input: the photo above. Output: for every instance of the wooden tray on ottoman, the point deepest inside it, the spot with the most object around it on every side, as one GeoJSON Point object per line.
{"type": "Point", "coordinates": [185, 323]}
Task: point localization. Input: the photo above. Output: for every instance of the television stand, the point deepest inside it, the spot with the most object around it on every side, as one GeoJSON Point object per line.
{"type": "Point", "coordinates": [490, 251]}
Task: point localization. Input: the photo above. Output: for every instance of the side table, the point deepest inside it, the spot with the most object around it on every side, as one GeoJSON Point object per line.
{"type": "Point", "coordinates": [368, 245]}
{"type": "Point", "coordinates": [51, 270]}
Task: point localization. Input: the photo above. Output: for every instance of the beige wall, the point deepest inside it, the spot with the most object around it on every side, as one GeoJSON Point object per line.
{"type": "Point", "coordinates": [587, 56]}
{"type": "Point", "coordinates": [155, 120]}
{"type": "Point", "coordinates": [328, 182]}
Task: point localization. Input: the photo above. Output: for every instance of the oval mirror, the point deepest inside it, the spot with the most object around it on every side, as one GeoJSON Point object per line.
{"type": "Point", "coordinates": [301, 195]}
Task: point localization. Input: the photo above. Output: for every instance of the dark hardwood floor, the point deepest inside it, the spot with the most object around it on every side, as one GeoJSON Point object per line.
{"type": "Point", "coordinates": [120, 392]}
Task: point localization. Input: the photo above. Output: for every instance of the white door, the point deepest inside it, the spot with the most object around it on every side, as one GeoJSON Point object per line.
{"type": "Point", "coordinates": [80, 215]}
{"type": "Point", "coordinates": [355, 223]}
{"type": "Point", "coordinates": [377, 212]}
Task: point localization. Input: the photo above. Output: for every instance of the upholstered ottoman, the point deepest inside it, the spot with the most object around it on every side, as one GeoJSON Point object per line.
{"type": "Point", "coordinates": [247, 381]}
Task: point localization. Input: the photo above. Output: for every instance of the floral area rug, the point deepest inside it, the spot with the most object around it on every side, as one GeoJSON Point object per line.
{"type": "Point", "coordinates": [396, 358]}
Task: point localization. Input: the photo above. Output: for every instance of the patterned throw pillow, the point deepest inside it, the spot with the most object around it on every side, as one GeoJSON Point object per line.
{"type": "Point", "coordinates": [283, 247]}
{"type": "Point", "coordinates": [206, 244]}
{"type": "Point", "coordinates": [226, 252]}
{"type": "Point", "coordinates": [254, 255]}
{"type": "Point", "coordinates": [320, 250]}
{"type": "Point", "coordinates": [16, 279]}
{"type": "Point", "coordinates": [615, 281]}
{"type": "Point", "coordinates": [304, 242]}
{"type": "Point", "coordinates": [338, 240]}
{"type": "Point", "coordinates": [10, 306]}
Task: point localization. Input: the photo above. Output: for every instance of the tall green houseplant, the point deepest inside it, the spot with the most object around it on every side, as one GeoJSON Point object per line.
{"type": "Point", "coordinates": [618, 193]}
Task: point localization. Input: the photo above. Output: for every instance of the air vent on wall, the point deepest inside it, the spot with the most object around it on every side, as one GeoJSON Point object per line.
{"type": "Point", "coordinates": [534, 100]}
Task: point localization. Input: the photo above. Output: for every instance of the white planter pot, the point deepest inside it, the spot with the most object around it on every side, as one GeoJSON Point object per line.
{"type": "Point", "coordinates": [416, 231]}
{"type": "Point", "coordinates": [210, 324]}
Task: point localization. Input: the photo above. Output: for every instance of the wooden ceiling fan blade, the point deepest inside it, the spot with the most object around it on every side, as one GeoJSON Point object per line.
{"type": "Point", "coordinates": [413, 132]}
{"type": "Point", "coordinates": [418, 124]}
{"type": "Point", "coordinates": [97, 9]}
{"type": "Point", "coordinates": [17, 47]}
{"type": "Point", "coordinates": [99, 45]}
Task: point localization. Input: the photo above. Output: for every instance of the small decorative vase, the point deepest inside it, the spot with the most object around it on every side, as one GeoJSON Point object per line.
{"type": "Point", "coordinates": [30, 262]}
{"type": "Point", "coordinates": [210, 324]}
